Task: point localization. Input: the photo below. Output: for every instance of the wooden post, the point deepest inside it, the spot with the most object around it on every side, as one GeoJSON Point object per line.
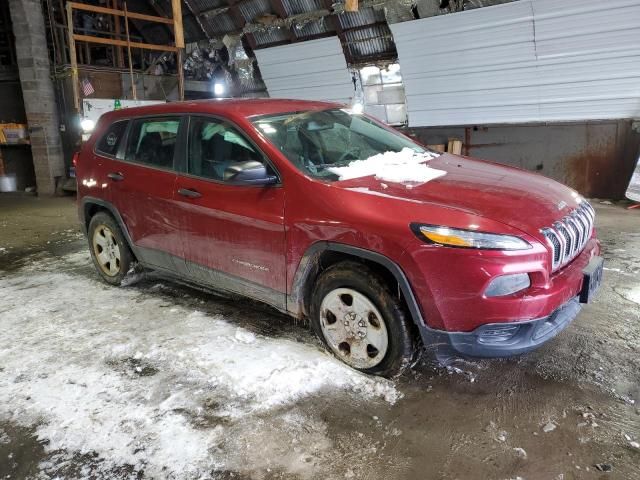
{"type": "Point", "coordinates": [73, 58]}
{"type": "Point", "coordinates": [178, 33]}
{"type": "Point", "coordinates": [180, 75]}
{"type": "Point", "coordinates": [119, 59]}
{"type": "Point", "coordinates": [126, 28]}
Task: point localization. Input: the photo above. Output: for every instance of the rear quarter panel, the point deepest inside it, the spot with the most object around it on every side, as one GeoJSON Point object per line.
{"type": "Point", "coordinates": [92, 170]}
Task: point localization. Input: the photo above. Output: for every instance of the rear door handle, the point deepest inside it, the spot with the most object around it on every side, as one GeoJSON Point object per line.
{"type": "Point", "coordinates": [187, 192]}
{"type": "Point", "coordinates": [115, 176]}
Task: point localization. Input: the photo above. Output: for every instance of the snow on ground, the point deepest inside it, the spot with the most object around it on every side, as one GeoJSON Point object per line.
{"type": "Point", "coordinates": [167, 389]}
{"type": "Point", "coordinates": [406, 165]}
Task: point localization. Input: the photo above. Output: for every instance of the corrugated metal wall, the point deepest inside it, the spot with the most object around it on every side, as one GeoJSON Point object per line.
{"type": "Point", "coordinates": [595, 158]}
{"type": "Point", "coordinates": [526, 61]}
{"type": "Point", "coordinates": [312, 70]}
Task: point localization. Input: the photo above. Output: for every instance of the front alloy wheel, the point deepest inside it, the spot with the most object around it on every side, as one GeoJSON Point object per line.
{"type": "Point", "coordinates": [355, 312]}
{"type": "Point", "coordinates": [353, 328]}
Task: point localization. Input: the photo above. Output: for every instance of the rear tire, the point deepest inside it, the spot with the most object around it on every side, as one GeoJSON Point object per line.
{"type": "Point", "coordinates": [110, 252]}
{"type": "Point", "coordinates": [356, 315]}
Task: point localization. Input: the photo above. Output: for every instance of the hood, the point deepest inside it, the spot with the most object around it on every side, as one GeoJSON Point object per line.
{"type": "Point", "coordinates": [508, 195]}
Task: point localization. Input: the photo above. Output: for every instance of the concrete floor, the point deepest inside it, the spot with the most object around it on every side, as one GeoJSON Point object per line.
{"type": "Point", "coordinates": [155, 380]}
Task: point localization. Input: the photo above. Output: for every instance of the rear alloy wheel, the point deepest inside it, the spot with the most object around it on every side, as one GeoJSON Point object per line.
{"type": "Point", "coordinates": [106, 250]}
{"type": "Point", "coordinates": [109, 250]}
{"type": "Point", "coordinates": [356, 315]}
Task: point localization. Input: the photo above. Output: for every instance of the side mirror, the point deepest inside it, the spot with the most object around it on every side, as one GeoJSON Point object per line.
{"type": "Point", "coordinates": [249, 173]}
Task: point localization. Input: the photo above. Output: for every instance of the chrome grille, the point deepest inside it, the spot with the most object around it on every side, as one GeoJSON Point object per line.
{"type": "Point", "coordinates": [569, 235]}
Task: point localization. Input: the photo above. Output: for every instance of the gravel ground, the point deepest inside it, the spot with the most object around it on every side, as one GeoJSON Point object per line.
{"type": "Point", "coordinates": [157, 380]}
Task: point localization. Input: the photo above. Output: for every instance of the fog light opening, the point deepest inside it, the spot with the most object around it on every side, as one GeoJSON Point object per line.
{"type": "Point", "coordinates": [508, 284]}
{"type": "Point", "coordinates": [497, 334]}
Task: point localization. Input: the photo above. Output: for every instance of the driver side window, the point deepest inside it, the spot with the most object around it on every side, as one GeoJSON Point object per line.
{"type": "Point", "coordinates": [215, 147]}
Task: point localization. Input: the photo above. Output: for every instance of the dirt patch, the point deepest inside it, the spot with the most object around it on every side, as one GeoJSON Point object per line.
{"type": "Point", "coordinates": [133, 367]}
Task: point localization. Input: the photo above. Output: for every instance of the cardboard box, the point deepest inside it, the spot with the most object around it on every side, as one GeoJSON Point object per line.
{"type": "Point", "coordinates": [13, 133]}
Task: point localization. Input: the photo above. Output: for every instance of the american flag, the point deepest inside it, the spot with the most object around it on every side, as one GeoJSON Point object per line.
{"type": "Point", "coordinates": [87, 88]}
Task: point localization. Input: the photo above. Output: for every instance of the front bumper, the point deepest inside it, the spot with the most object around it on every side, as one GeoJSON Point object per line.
{"type": "Point", "coordinates": [507, 339]}
{"type": "Point", "coordinates": [449, 284]}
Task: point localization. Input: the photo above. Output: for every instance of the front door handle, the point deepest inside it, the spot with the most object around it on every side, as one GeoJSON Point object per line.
{"type": "Point", "coordinates": [187, 192]}
{"type": "Point", "coordinates": [115, 176]}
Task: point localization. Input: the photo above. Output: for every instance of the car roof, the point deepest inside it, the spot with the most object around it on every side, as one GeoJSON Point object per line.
{"type": "Point", "coordinates": [237, 107]}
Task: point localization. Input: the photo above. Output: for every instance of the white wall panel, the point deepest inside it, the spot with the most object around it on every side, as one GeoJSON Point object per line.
{"type": "Point", "coordinates": [312, 70]}
{"type": "Point", "coordinates": [526, 61]}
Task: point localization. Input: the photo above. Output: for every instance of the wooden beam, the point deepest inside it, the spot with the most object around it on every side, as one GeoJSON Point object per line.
{"type": "Point", "coordinates": [178, 31]}
{"type": "Point", "coordinates": [236, 15]}
{"type": "Point", "coordinates": [126, 29]}
{"type": "Point", "coordinates": [119, 58]}
{"type": "Point", "coordinates": [239, 22]}
{"type": "Point", "coordinates": [351, 6]}
{"type": "Point", "coordinates": [120, 13]}
{"type": "Point", "coordinates": [123, 43]}
{"type": "Point", "coordinates": [180, 63]}
{"type": "Point", "coordinates": [73, 58]}
{"type": "Point", "coordinates": [196, 16]}
{"type": "Point", "coordinates": [278, 7]}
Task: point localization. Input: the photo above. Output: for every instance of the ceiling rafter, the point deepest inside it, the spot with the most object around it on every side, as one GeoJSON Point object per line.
{"type": "Point", "coordinates": [196, 16]}
{"type": "Point", "coordinates": [337, 26]}
{"type": "Point", "coordinates": [161, 13]}
{"type": "Point", "coordinates": [278, 7]}
{"type": "Point", "coordinates": [239, 21]}
{"type": "Point", "coordinates": [280, 18]}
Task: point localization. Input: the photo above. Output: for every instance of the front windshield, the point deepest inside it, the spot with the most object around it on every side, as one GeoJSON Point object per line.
{"type": "Point", "coordinates": [318, 141]}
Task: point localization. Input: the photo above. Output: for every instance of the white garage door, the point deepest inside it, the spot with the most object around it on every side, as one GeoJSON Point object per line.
{"type": "Point", "coordinates": [526, 61]}
{"type": "Point", "coordinates": [312, 70]}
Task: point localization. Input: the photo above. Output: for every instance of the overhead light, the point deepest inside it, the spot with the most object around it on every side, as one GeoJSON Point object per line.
{"type": "Point", "coordinates": [357, 108]}
{"type": "Point", "coordinates": [369, 71]}
{"type": "Point", "coordinates": [87, 125]}
{"type": "Point", "coordinates": [218, 88]}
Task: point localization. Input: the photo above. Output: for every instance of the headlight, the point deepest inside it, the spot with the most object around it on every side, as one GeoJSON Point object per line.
{"type": "Point", "coordinates": [453, 237]}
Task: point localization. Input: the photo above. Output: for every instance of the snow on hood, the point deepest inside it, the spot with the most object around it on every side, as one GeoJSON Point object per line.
{"type": "Point", "coordinates": [407, 165]}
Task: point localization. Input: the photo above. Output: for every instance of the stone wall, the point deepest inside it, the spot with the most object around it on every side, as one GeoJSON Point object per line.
{"type": "Point", "coordinates": [38, 92]}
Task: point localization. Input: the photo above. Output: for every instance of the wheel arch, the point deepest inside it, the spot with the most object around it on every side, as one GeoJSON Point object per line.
{"type": "Point", "coordinates": [321, 255]}
{"type": "Point", "coordinates": [90, 206]}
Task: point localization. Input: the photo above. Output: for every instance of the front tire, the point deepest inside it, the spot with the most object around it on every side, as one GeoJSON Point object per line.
{"type": "Point", "coordinates": [109, 249]}
{"type": "Point", "coordinates": [355, 314]}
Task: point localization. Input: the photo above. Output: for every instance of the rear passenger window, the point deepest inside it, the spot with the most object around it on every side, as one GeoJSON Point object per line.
{"type": "Point", "coordinates": [110, 141]}
{"type": "Point", "coordinates": [153, 141]}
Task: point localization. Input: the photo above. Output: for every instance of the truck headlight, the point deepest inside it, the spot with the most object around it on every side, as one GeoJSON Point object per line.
{"type": "Point", "coordinates": [454, 237]}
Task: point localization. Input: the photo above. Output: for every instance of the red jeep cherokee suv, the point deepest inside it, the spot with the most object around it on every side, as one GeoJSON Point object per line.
{"type": "Point", "coordinates": [327, 214]}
